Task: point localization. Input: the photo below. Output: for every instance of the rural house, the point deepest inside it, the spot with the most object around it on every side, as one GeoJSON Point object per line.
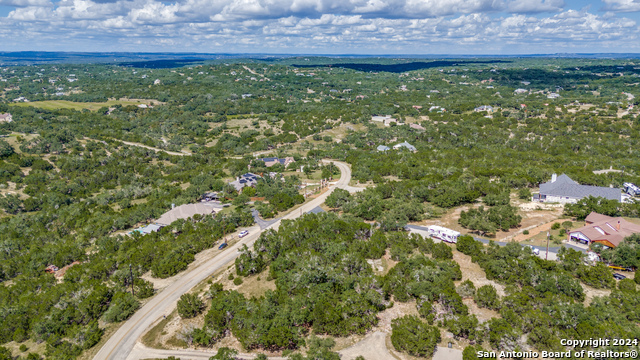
{"type": "Point", "coordinates": [248, 179]}
{"type": "Point", "coordinates": [270, 161]}
{"type": "Point", "coordinates": [184, 212]}
{"type": "Point", "coordinates": [6, 117]}
{"type": "Point", "coordinates": [562, 189]}
{"type": "Point", "coordinates": [405, 145]}
{"type": "Point", "coordinates": [605, 230]}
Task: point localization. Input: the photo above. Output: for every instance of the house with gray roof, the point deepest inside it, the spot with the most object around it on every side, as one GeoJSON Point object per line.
{"type": "Point", "coordinates": [383, 148]}
{"type": "Point", "coordinates": [562, 189]}
{"type": "Point", "coordinates": [405, 145]}
{"type": "Point", "coordinates": [248, 179]}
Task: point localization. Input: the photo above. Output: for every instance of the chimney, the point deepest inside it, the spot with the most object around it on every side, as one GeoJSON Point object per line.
{"type": "Point", "coordinates": [554, 177]}
{"type": "Point", "coordinates": [618, 226]}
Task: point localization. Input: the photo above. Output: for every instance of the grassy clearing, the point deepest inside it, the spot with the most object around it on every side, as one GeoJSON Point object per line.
{"type": "Point", "coordinates": [150, 338]}
{"type": "Point", "coordinates": [93, 106]}
{"type": "Point", "coordinates": [256, 285]}
{"type": "Point", "coordinates": [12, 139]}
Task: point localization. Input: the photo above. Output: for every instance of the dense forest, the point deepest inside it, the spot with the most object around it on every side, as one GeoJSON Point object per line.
{"type": "Point", "coordinates": [96, 150]}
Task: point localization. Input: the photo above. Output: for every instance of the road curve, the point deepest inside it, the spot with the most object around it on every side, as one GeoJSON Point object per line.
{"type": "Point", "coordinates": [122, 342]}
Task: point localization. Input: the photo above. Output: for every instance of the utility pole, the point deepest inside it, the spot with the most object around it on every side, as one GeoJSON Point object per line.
{"type": "Point", "coordinates": [131, 277]}
{"type": "Point", "coordinates": [547, 257]}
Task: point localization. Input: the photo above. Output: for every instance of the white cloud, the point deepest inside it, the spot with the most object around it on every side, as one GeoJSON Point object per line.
{"type": "Point", "coordinates": [535, 6]}
{"type": "Point", "coordinates": [622, 5]}
{"type": "Point", "coordinates": [326, 26]}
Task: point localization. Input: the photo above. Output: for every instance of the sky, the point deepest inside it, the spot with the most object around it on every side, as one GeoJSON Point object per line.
{"type": "Point", "coordinates": [369, 27]}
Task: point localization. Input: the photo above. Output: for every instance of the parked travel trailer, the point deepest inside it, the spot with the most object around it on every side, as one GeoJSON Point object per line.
{"type": "Point", "coordinates": [442, 233]}
{"type": "Point", "coordinates": [631, 189]}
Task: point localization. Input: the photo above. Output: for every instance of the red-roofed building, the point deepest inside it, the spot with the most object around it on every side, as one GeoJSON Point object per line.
{"type": "Point", "coordinates": [604, 230]}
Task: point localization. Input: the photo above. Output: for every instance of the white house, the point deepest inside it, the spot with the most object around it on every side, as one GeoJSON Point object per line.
{"type": "Point", "coordinates": [6, 117]}
{"type": "Point", "coordinates": [405, 145]}
{"type": "Point", "coordinates": [385, 120]}
{"type": "Point", "coordinates": [487, 108]}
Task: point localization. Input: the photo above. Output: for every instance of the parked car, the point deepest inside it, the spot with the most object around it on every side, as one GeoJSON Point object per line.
{"type": "Point", "coordinates": [243, 233]}
{"type": "Point", "coordinates": [222, 246]}
{"type": "Point", "coordinates": [618, 276]}
{"type": "Point", "coordinates": [533, 250]}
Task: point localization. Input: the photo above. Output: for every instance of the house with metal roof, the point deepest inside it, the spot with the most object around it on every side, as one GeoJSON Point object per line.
{"type": "Point", "coordinates": [562, 189]}
{"type": "Point", "coordinates": [405, 145]}
{"type": "Point", "coordinates": [383, 148]}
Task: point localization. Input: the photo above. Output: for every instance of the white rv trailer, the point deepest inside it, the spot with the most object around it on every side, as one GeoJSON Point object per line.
{"type": "Point", "coordinates": [442, 233]}
{"type": "Point", "coordinates": [631, 189]}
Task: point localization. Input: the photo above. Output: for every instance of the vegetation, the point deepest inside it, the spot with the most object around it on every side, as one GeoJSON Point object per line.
{"type": "Point", "coordinates": [79, 169]}
{"type": "Point", "coordinates": [411, 335]}
{"type": "Point", "coordinates": [190, 306]}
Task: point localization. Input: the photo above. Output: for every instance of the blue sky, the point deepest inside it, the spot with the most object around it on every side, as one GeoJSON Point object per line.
{"type": "Point", "coordinates": [323, 26]}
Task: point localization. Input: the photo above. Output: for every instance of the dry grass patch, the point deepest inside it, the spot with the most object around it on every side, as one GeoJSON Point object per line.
{"type": "Point", "coordinates": [255, 285]}
{"type": "Point", "coordinates": [93, 106]}
{"type": "Point", "coordinates": [473, 272]}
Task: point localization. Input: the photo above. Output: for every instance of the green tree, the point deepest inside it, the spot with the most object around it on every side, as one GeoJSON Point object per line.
{"type": "Point", "coordinates": [190, 306]}
{"type": "Point", "coordinates": [409, 334]}
{"type": "Point", "coordinates": [524, 194]}
{"type": "Point", "coordinates": [468, 245]}
{"type": "Point", "coordinates": [487, 297]}
{"type": "Point", "coordinates": [338, 198]}
{"type": "Point", "coordinates": [6, 149]}
{"type": "Point", "coordinates": [123, 305]}
{"type": "Point", "coordinates": [225, 353]}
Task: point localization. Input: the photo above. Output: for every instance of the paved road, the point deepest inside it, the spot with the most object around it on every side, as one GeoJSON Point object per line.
{"type": "Point", "coordinates": [262, 222]}
{"type": "Point", "coordinates": [122, 342]}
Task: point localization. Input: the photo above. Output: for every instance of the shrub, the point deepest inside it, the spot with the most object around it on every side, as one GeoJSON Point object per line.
{"type": "Point", "coordinates": [425, 309]}
{"type": "Point", "coordinates": [225, 353]}
{"type": "Point", "coordinates": [123, 305]}
{"type": "Point", "coordinates": [487, 297]}
{"type": "Point", "coordinates": [442, 251]}
{"type": "Point", "coordinates": [144, 288]}
{"type": "Point", "coordinates": [466, 289]}
{"type": "Point", "coordinates": [468, 245]}
{"type": "Point", "coordinates": [190, 306]}
{"type": "Point", "coordinates": [598, 276]}
{"type": "Point", "coordinates": [470, 352]}
{"type": "Point", "coordinates": [526, 232]}
{"type": "Point", "coordinates": [627, 285]}
{"type": "Point", "coordinates": [524, 194]}
{"type": "Point", "coordinates": [23, 348]}
{"type": "Point", "coordinates": [5, 354]}
{"type": "Point", "coordinates": [237, 281]}
{"type": "Point", "coordinates": [409, 334]}
{"type": "Point", "coordinates": [555, 226]}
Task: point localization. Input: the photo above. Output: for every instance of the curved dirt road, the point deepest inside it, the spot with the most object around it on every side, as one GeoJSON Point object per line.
{"type": "Point", "coordinates": [122, 342]}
